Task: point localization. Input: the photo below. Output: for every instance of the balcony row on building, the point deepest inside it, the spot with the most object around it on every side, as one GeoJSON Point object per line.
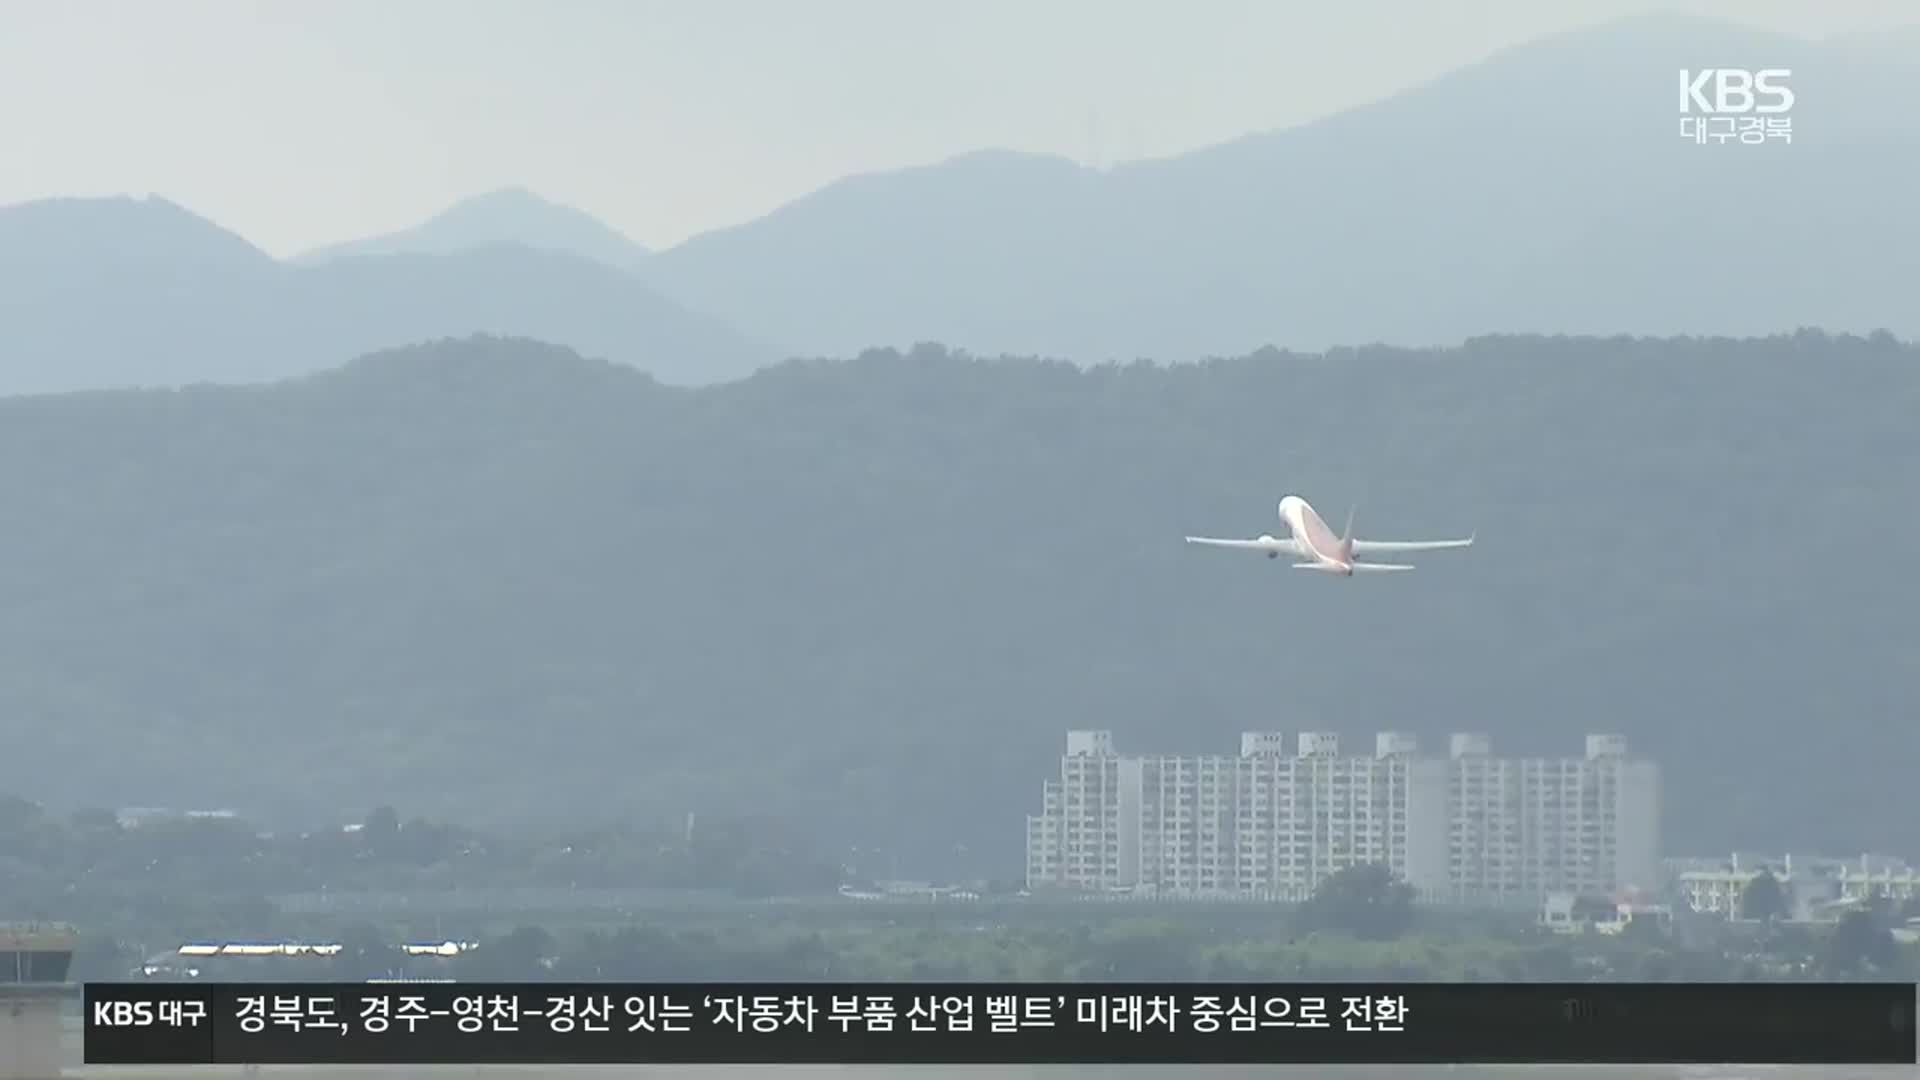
{"type": "Point", "coordinates": [1276, 820]}
{"type": "Point", "coordinates": [1814, 888]}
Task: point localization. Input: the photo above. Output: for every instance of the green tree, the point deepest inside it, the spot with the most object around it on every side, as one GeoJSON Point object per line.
{"type": "Point", "coordinates": [364, 953]}
{"type": "Point", "coordinates": [1590, 909]}
{"type": "Point", "coordinates": [520, 954]}
{"type": "Point", "coordinates": [381, 829]}
{"type": "Point", "coordinates": [1365, 901]}
{"type": "Point", "coordinates": [95, 818]}
{"type": "Point", "coordinates": [102, 958]}
{"type": "Point", "coordinates": [1763, 899]}
{"type": "Point", "coordinates": [1861, 945]}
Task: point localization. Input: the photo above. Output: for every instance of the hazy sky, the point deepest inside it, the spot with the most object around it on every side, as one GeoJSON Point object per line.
{"type": "Point", "coordinates": [302, 123]}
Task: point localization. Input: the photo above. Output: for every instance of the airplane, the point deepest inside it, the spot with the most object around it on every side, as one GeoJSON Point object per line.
{"type": "Point", "coordinates": [1313, 541]}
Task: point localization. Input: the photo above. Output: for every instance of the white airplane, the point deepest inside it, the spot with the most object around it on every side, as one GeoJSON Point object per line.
{"type": "Point", "coordinates": [1313, 541]}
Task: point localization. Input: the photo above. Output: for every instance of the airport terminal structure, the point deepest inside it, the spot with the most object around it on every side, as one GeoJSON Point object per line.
{"type": "Point", "coordinates": [34, 961]}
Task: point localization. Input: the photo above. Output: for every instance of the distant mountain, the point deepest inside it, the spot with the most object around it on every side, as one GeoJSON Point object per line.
{"type": "Point", "coordinates": [99, 293]}
{"type": "Point", "coordinates": [145, 236]}
{"type": "Point", "coordinates": [510, 217]}
{"type": "Point", "coordinates": [497, 581]}
{"type": "Point", "coordinates": [1547, 188]}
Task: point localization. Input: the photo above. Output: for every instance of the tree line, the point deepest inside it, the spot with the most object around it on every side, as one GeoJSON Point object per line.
{"type": "Point", "coordinates": [1360, 924]}
{"type": "Point", "coordinates": [221, 872]}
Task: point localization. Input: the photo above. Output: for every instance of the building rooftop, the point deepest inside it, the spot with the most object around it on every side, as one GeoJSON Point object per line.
{"type": "Point", "coordinates": [34, 959]}
{"type": "Point", "coordinates": [37, 937]}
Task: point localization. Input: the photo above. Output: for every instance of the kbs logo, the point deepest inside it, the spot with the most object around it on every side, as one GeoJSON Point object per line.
{"type": "Point", "coordinates": [1728, 104]}
{"type": "Point", "coordinates": [167, 1012]}
{"type": "Point", "coordinates": [1735, 91]}
{"type": "Point", "coordinates": [123, 1014]}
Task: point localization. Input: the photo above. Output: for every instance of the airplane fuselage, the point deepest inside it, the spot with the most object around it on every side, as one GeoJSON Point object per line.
{"type": "Point", "coordinates": [1316, 540]}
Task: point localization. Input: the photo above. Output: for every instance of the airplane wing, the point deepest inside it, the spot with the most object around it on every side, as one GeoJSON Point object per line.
{"type": "Point", "coordinates": [1387, 547]}
{"type": "Point", "coordinates": [1268, 545]}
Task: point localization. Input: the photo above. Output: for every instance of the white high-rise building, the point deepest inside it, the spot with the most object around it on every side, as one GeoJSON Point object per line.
{"type": "Point", "coordinates": [1520, 828]}
{"type": "Point", "coordinates": [1273, 823]}
{"type": "Point", "coordinates": [1075, 838]}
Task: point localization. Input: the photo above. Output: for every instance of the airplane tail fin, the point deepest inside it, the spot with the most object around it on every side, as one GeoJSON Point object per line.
{"type": "Point", "coordinates": [1346, 537]}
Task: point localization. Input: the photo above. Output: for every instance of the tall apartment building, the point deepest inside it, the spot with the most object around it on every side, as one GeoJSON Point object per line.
{"type": "Point", "coordinates": [1272, 823]}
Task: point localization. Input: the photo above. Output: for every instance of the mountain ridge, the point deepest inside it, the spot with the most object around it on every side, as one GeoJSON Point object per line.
{"type": "Point", "coordinates": [118, 291]}
{"type": "Point", "coordinates": [503, 217]}
{"type": "Point", "coordinates": [1456, 208]}
{"type": "Point", "coordinates": [1542, 189]}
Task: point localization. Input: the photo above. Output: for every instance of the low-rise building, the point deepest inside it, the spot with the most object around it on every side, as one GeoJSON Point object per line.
{"type": "Point", "coordinates": [1815, 887]}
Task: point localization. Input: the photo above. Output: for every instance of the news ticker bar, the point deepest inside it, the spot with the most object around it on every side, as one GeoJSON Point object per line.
{"type": "Point", "coordinates": [1008, 1023]}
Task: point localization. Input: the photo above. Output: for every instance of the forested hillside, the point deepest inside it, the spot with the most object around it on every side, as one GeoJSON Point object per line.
{"type": "Point", "coordinates": [492, 580]}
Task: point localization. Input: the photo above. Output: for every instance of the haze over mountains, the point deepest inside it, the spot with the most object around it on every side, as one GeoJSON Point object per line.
{"type": "Point", "coordinates": [99, 293]}
{"type": "Point", "coordinates": [1545, 189]}
{"type": "Point", "coordinates": [869, 597]}
{"type": "Point", "coordinates": [509, 217]}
